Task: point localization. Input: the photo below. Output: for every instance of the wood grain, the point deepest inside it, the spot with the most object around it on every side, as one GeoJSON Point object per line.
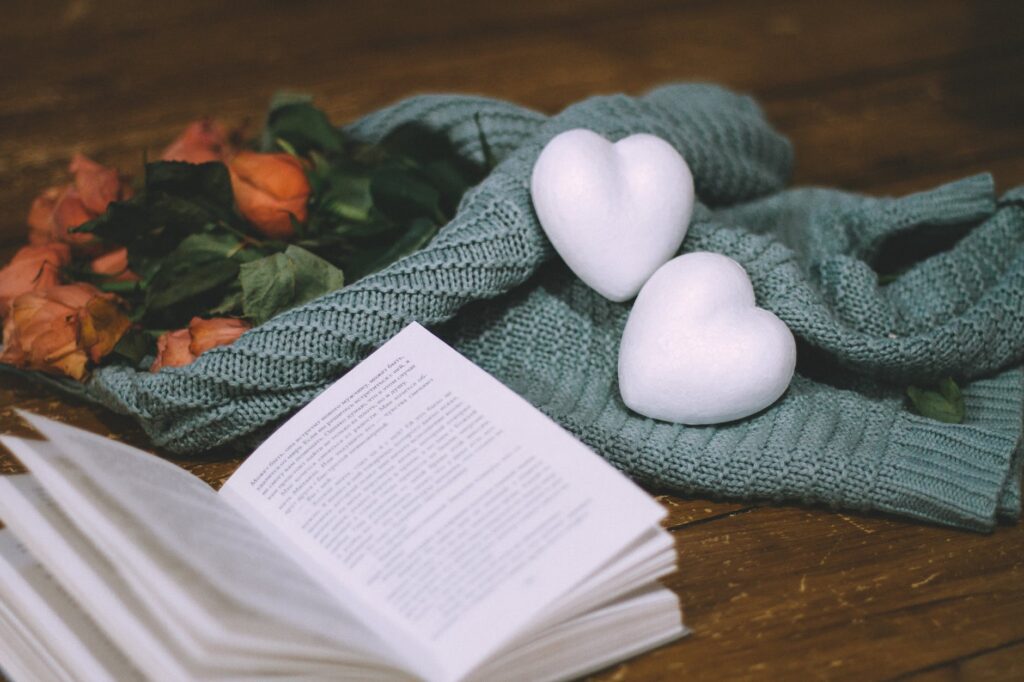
{"type": "Point", "coordinates": [878, 96]}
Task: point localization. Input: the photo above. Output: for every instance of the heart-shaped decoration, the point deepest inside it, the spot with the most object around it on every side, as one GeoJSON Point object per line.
{"type": "Point", "coordinates": [614, 212]}
{"type": "Point", "coordinates": [697, 350]}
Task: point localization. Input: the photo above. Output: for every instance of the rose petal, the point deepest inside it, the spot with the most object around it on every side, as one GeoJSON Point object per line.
{"type": "Point", "coordinates": [172, 350]}
{"type": "Point", "coordinates": [219, 331]}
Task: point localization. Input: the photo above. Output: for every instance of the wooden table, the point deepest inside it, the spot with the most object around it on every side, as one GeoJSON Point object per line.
{"type": "Point", "coordinates": [885, 97]}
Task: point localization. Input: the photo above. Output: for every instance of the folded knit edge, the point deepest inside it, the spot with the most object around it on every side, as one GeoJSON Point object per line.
{"type": "Point", "coordinates": [966, 474]}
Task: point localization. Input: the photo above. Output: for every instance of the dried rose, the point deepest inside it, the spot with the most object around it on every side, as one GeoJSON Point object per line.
{"type": "Point", "coordinates": [59, 330]}
{"type": "Point", "coordinates": [40, 226]}
{"type": "Point", "coordinates": [182, 346]}
{"type": "Point", "coordinates": [203, 140]}
{"type": "Point", "coordinates": [114, 264]}
{"type": "Point", "coordinates": [33, 268]}
{"type": "Point", "coordinates": [172, 350]}
{"type": "Point", "coordinates": [59, 209]}
{"type": "Point", "coordinates": [218, 331]}
{"type": "Point", "coordinates": [271, 190]}
{"type": "Point", "coordinates": [96, 184]}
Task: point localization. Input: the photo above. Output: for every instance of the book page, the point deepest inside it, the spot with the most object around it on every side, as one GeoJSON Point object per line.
{"type": "Point", "coordinates": [456, 512]}
{"type": "Point", "coordinates": [89, 577]}
{"type": "Point", "coordinates": [59, 625]}
{"type": "Point", "coordinates": [224, 590]}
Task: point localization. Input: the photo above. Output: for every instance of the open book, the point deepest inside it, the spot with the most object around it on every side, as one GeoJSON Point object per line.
{"type": "Point", "coordinates": [417, 520]}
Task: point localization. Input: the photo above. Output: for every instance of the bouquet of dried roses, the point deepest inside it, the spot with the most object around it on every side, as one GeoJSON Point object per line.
{"type": "Point", "coordinates": [218, 235]}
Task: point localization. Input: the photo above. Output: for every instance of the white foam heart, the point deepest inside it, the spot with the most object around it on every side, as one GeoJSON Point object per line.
{"type": "Point", "coordinates": [614, 212]}
{"type": "Point", "coordinates": [697, 350]}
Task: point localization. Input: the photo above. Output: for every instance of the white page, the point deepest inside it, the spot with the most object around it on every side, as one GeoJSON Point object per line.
{"type": "Point", "coordinates": [220, 584]}
{"type": "Point", "coordinates": [136, 608]}
{"type": "Point", "coordinates": [634, 624]}
{"type": "Point", "coordinates": [88, 577]}
{"type": "Point", "coordinates": [20, 657]}
{"type": "Point", "coordinates": [450, 506]}
{"type": "Point", "coordinates": [650, 558]}
{"type": "Point", "coordinates": [63, 628]}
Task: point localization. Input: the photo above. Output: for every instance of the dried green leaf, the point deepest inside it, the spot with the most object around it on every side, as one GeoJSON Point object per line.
{"type": "Point", "coordinates": [268, 286]}
{"type": "Point", "coordinates": [418, 235]}
{"type": "Point", "coordinates": [181, 282]}
{"type": "Point", "coordinates": [304, 128]}
{"type": "Point", "coordinates": [200, 264]}
{"type": "Point", "coordinates": [134, 346]}
{"type": "Point", "coordinates": [416, 142]}
{"type": "Point", "coordinates": [231, 303]}
{"type": "Point", "coordinates": [402, 196]}
{"type": "Point", "coordinates": [945, 404]}
{"type": "Point", "coordinates": [346, 194]}
{"type": "Point", "coordinates": [314, 276]}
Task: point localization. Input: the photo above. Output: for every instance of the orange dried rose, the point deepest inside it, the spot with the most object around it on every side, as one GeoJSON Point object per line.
{"type": "Point", "coordinates": [33, 268]}
{"type": "Point", "coordinates": [114, 264]}
{"type": "Point", "coordinates": [40, 226]}
{"type": "Point", "coordinates": [172, 350]}
{"type": "Point", "coordinates": [96, 184]}
{"type": "Point", "coordinates": [59, 330]}
{"type": "Point", "coordinates": [182, 346]}
{"type": "Point", "coordinates": [218, 331]}
{"type": "Point", "coordinates": [202, 141]}
{"type": "Point", "coordinates": [59, 209]}
{"type": "Point", "coordinates": [270, 189]}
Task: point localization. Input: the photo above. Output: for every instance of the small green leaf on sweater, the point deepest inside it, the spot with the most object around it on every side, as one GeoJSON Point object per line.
{"type": "Point", "coordinates": [945, 403]}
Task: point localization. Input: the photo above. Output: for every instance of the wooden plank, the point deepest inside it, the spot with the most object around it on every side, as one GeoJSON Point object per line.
{"type": "Point", "coordinates": [1003, 663]}
{"type": "Point", "coordinates": [684, 511]}
{"type": "Point", "coordinates": [798, 594]}
{"type": "Point", "coordinates": [1008, 173]}
{"type": "Point", "coordinates": [893, 129]}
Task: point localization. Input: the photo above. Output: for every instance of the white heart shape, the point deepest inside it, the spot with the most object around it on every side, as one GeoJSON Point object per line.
{"type": "Point", "coordinates": [697, 350]}
{"type": "Point", "coordinates": [614, 212]}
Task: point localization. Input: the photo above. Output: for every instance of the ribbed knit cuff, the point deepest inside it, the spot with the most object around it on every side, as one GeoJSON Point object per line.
{"type": "Point", "coordinates": [961, 474]}
{"type": "Point", "coordinates": [1009, 502]}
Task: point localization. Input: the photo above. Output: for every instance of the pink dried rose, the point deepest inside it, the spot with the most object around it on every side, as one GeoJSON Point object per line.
{"type": "Point", "coordinates": [218, 331]}
{"type": "Point", "coordinates": [33, 268]}
{"type": "Point", "coordinates": [114, 265]}
{"type": "Point", "coordinates": [59, 209]}
{"type": "Point", "coordinates": [270, 190]}
{"type": "Point", "coordinates": [40, 216]}
{"type": "Point", "coordinates": [181, 346]}
{"type": "Point", "coordinates": [201, 141]}
{"type": "Point", "coordinates": [61, 329]}
{"type": "Point", "coordinates": [172, 350]}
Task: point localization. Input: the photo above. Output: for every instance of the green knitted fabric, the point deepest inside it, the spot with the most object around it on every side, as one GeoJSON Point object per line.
{"type": "Point", "coordinates": [841, 436]}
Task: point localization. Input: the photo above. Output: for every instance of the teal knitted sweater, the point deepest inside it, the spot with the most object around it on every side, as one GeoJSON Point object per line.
{"type": "Point", "coordinates": [842, 435]}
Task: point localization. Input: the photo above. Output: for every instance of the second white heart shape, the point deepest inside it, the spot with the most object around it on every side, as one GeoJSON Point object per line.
{"type": "Point", "coordinates": [614, 212]}
{"type": "Point", "coordinates": [697, 350]}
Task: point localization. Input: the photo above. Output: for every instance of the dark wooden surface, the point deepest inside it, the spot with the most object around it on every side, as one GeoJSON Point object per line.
{"type": "Point", "coordinates": [884, 97]}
